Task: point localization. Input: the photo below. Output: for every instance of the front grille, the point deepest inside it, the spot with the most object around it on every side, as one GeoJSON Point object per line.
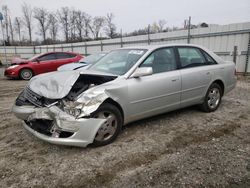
{"type": "Point", "coordinates": [32, 97]}
{"type": "Point", "coordinates": [21, 100]}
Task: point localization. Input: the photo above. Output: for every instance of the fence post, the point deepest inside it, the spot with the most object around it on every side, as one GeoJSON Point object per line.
{"type": "Point", "coordinates": [148, 34]}
{"type": "Point", "coordinates": [121, 40]}
{"type": "Point", "coordinates": [62, 47]}
{"type": "Point", "coordinates": [34, 49]}
{"type": "Point", "coordinates": [72, 48]}
{"type": "Point", "coordinates": [15, 51]}
{"type": "Point", "coordinates": [101, 46]}
{"type": "Point", "coordinates": [235, 54]}
{"type": "Point", "coordinates": [86, 48]}
{"type": "Point", "coordinates": [189, 27]}
{"type": "Point", "coordinates": [247, 56]}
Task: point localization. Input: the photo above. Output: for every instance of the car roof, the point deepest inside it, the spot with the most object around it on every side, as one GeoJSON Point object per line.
{"type": "Point", "coordinates": [45, 53]}
{"type": "Point", "coordinates": [152, 47]}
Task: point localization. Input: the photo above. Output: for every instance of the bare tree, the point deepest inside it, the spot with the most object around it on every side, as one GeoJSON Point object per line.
{"type": "Point", "coordinates": [64, 17]}
{"type": "Point", "coordinates": [110, 27]}
{"type": "Point", "coordinates": [27, 19]}
{"type": "Point", "coordinates": [11, 31]}
{"type": "Point", "coordinates": [6, 21]}
{"type": "Point", "coordinates": [96, 26]}
{"type": "Point", "coordinates": [87, 21]}
{"type": "Point", "coordinates": [161, 25]}
{"type": "Point", "coordinates": [80, 24]}
{"type": "Point", "coordinates": [53, 26]}
{"type": "Point", "coordinates": [72, 22]}
{"type": "Point", "coordinates": [41, 15]}
{"type": "Point", "coordinates": [17, 27]}
{"type": "Point", "coordinates": [154, 28]}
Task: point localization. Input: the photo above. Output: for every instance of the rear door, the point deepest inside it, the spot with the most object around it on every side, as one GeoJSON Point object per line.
{"type": "Point", "coordinates": [159, 92]}
{"type": "Point", "coordinates": [196, 74]}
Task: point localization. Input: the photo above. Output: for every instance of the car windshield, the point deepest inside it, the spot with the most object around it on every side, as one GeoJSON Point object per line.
{"type": "Point", "coordinates": [35, 57]}
{"type": "Point", "coordinates": [118, 62]}
{"type": "Point", "coordinates": [91, 58]}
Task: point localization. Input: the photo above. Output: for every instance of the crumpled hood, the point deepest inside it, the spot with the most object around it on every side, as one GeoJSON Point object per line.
{"type": "Point", "coordinates": [56, 85]}
{"type": "Point", "coordinates": [18, 60]}
{"type": "Point", "coordinates": [53, 85]}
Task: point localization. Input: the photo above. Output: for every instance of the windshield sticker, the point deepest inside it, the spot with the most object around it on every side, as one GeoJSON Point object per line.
{"type": "Point", "coordinates": [137, 52]}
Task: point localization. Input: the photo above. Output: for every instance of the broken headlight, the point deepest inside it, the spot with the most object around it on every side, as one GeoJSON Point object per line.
{"type": "Point", "coordinates": [70, 107]}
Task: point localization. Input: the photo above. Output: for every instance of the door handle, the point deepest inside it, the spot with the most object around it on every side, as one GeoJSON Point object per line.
{"type": "Point", "coordinates": [174, 80]}
{"type": "Point", "coordinates": [208, 73]}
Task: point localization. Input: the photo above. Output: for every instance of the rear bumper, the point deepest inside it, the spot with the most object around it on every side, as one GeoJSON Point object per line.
{"type": "Point", "coordinates": [83, 130]}
{"type": "Point", "coordinates": [231, 86]}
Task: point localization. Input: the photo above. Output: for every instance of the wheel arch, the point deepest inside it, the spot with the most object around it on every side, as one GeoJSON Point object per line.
{"type": "Point", "coordinates": [221, 84]}
{"type": "Point", "coordinates": [113, 102]}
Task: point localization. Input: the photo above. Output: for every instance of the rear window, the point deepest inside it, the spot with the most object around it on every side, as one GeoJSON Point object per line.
{"type": "Point", "coordinates": [191, 57]}
{"type": "Point", "coordinates": [64, 55]}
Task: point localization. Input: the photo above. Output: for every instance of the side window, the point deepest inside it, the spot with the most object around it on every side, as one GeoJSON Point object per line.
{"type": "Point", "coordinates": [161, 60]}
{"type": "Point", "coordinates": [191, 57]}
{"type": "Point", "coordinates": [64, 55]}
{"type": "Point", "coordinates": [47, 57]}
{"type": "Point", "coordinates": [210, 60]}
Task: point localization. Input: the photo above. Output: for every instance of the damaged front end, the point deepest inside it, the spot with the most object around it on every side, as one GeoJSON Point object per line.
{"type": "Point", "coordinates": [65, 119]}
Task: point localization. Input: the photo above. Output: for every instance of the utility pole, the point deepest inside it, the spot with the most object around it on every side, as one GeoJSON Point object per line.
{"type": "Point", "coordinates": [1, 19]}
{"type": "Point", "coordinates": [189, 27]}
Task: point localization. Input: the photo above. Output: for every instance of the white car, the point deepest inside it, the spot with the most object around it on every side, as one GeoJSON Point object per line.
{"type": "Point", "coordinates": [88, 60]}
{"type": "Point", "coordinates": [90, 107]}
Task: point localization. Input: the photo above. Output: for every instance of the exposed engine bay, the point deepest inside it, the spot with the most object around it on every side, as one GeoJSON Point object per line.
{"type": "Point", "coordinates": [83, 83]}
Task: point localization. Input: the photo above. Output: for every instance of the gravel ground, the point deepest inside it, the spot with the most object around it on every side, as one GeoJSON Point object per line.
{"type": "Point", "coordinates": [184, 148]}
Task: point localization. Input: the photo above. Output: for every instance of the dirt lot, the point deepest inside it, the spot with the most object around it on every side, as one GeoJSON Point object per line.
{"type": "Point", "coordinates": [185, 148]}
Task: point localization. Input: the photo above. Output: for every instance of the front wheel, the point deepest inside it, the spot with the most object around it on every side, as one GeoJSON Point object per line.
{"type": "Point", "coordinates": [212, 99]}
{"type": "Point", "coordinates": [108, 132]}
{"type": "Point", "coordinates": [26, 74]}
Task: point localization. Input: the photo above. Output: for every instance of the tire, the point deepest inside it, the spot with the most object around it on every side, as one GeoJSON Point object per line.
{"type": "Point", "coordinates": [212, 99]}
{"type": "Point", "coordinates": [26, 74]}
{"type": "Point", "coordinates": [109, 131]}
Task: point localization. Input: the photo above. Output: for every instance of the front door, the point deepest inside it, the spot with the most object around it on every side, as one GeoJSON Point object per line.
{"type": "Point", "coordinates": [159, 92]}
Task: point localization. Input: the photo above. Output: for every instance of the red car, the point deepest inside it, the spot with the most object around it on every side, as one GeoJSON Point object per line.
{"type": "Point", "coordinates": [47, 62]}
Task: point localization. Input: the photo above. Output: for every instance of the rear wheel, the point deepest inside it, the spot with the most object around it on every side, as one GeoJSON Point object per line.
{"type": "Point", "coordinates": [108, 132]}
{"type": "Point", "coordinates": [26, 74]}
{"type": "Point", "coordinates": [212, 99]}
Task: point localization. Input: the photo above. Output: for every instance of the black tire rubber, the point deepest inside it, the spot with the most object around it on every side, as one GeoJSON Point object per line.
{"type": "Point", "coordinates": [113, 109]}
{"type": "Point", "coordinates": [204, 106]}
{"type": "Point", "coordinates": [25, 70]}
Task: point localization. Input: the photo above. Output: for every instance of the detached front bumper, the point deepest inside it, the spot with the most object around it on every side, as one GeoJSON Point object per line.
{"type": "Point", "coordinates": [83, 131]}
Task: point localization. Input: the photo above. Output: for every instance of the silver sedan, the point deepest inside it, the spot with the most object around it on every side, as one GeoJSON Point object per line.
{"type": "Point", "coordinates": [90, 107]}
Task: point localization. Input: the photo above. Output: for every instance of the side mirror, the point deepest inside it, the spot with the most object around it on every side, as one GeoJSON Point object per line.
{"type": "Point", "coordinates": [37, 60]}
{"type": "Point", "coordinates": [142, 71]}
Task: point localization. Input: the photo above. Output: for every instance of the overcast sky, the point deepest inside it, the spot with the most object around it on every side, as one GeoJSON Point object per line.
{"type": "Point", "coordinates": [134, 14]}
